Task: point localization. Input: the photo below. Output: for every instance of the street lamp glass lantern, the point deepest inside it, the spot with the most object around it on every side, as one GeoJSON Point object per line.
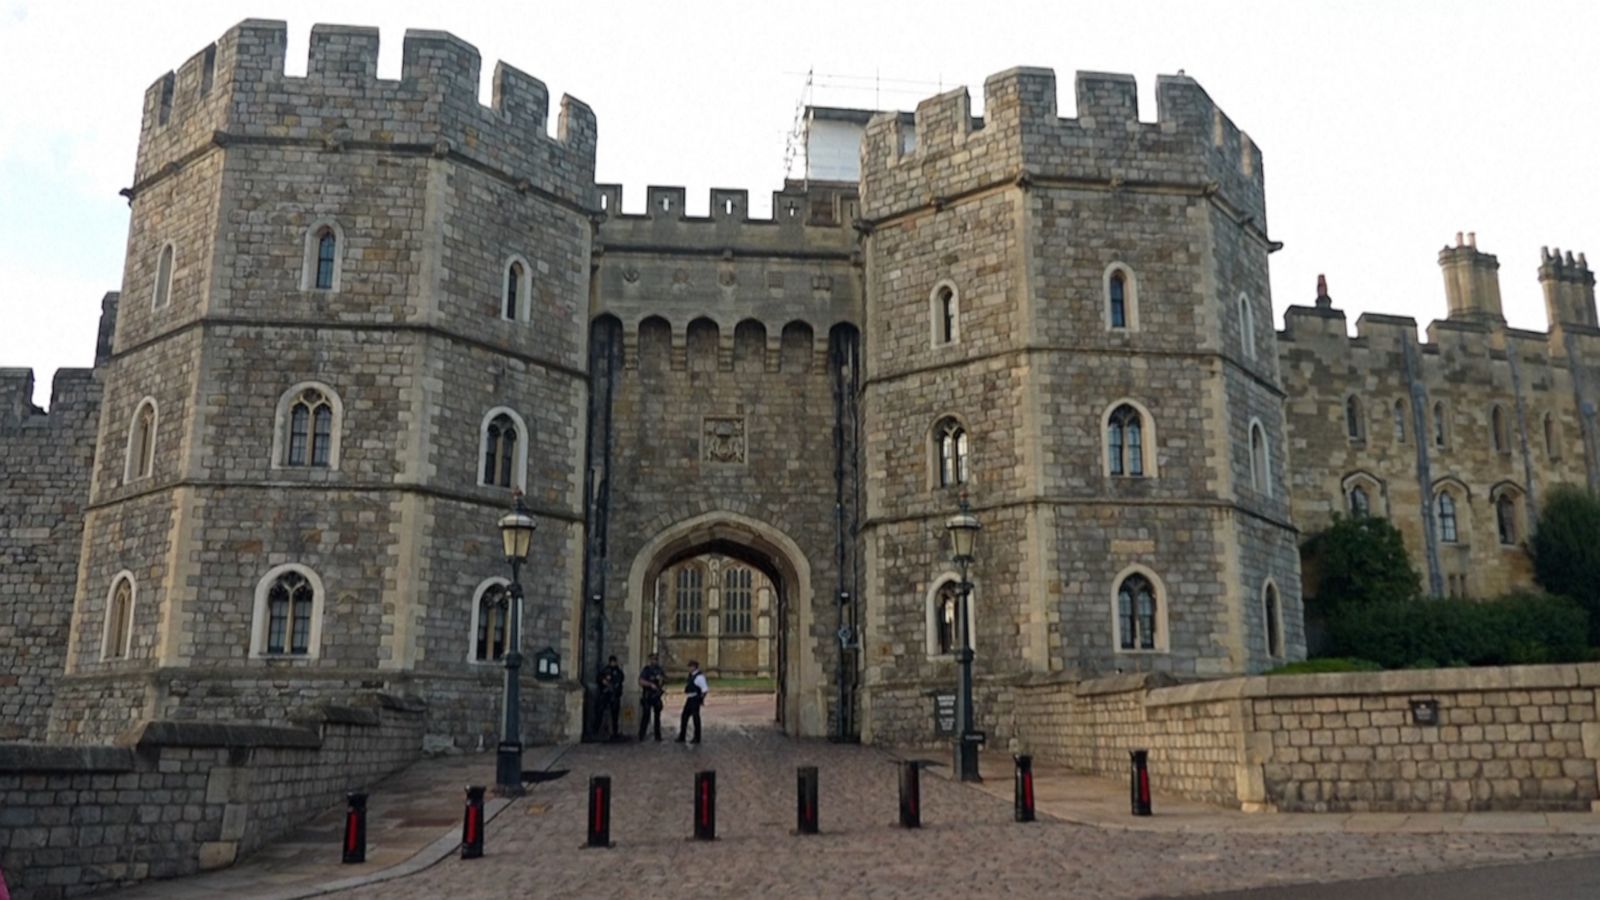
{"type": "Point", "coordinates": [516, 533]}
{"type": "Point", "coordinates": [963, 529]}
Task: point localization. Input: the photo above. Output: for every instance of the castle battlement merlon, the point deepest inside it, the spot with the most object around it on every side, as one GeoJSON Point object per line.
{"type": "Point", "coordinates": [237, 88]}
{"type": "Point", "coordinates": [815, 222]}
{"type": "Point", "coordinates": [936, 157]}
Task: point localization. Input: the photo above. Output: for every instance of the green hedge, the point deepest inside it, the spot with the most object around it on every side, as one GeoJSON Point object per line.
{"type": "Point", "coordinates": [1324, 664]}
{"type": "Point", "coordinates": [1518, 629]}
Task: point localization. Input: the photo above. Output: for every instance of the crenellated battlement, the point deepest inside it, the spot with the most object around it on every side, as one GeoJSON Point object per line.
{"type": "Point", "coordinates": [237, 89]}
{"type": "Point", "coordinates": [792, 207]}
{"type": "Point", "coordinates": [811, 222]}
{"type": "Point", "coordinates": [947, 151]}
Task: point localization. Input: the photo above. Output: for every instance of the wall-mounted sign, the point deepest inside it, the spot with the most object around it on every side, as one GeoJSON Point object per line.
{"type": "Point", "coordinates": [1424, 712]}
{"type": "Point", "coordinates": [944, 715]}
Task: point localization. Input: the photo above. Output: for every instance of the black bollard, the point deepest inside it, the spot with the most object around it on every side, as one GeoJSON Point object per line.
{"type": "Point", "coordinates": [807, 802]}
{"type": "Point", "coordinates": [600, 811]}
{"type": "Point", "coordinates": [910, 794]}
{"type": "Point", "coordinates": [472, 824]}
{"type": "Point", "coordinates": [1024, 788]}
{"type": "Point", "coordinates": [355, 828]}
{"type": "Point", "coordinates": [705, 806]}
{"type": "Point", "coordinates": [1139, 786]}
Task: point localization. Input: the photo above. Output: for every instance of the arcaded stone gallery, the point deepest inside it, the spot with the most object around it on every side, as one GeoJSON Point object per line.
{"type": "Point", "coordinates": [358, 314]}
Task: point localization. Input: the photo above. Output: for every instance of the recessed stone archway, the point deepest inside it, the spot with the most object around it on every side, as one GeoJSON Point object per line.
{"type": "Point", "coordinates": [801, 703]}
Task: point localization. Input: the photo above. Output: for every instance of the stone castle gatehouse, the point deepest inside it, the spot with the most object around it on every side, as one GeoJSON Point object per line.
{"type": "Point", "coordinates": [358, 313]}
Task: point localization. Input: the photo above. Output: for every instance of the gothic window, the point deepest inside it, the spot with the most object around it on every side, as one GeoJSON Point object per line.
{"type": "Point", "coordinates": [324, 257]}
{"type": "Point", "coordinates": [310, 430]}
{"type": "Point", "coordinates": [1497, 430]}
{"type": "Point", "coordinates": [1440, 425]}
{"type": "Point", "coordinates": [119, 619]}
{"type": "Point", "coordinates": [690, 601]}
{"type": "Point", "coordinates": [164, 266]}
{"type": "Point", "coordinates": [493, 616]}
{"type": "Point", "coordinates": [504, 449]}
{"type": "Point", "coordinates": [1125, 442]}
{"type": "Point", "coordinates": [516, 292]}
{"type": "Point", "coordinates": [1247, 327]}
{"type": "Point", "coordinates": [1354, 424]}
{"type": "Point", "coordinates": [1447, 518]}
{"type": "Point", "coordinates": [290, 613]}
{"type": "Point", "coordinates": [1273, 622]}
{"type": "Point", "coordinates": [141, 442]}
{"type": "Point", "coordinates": [738, 598]}
{"type": "Point", "coordinates": [946, 312]}
{"type": "Point", "coordinates": [1360, 503]}
{"type": "Point", "coordinates": [1136, 613]}
{"type": "Point", "coordinates": [1400, 421]}
{"type": "Point", "coordinates": [1505, 517]}
{"type": "Point", "coordinates": [1121, 298]}
{"type": "Point", "coordinates": [947, 605]}
{"type": "Point", "coordinates": [1260, 471]}
{"type": "Point", "coordinates": [1551, 445]}
{"type": "Point", "coordinates": [950, 452]}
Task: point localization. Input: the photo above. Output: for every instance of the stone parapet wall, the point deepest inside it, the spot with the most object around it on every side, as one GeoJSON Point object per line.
{"type": "Point", "coordinates": [1515, 738]}
{"type": "Point", "coordinates": [181, 797]}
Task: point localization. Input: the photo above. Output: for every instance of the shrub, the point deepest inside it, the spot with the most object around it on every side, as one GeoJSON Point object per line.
{"type": "Point", "coordinates": [1518, 629]}
{"type": "Point", "coordinates": [1361, 560]}
{"type": "Point", "coordinates": [1326, 664]}
{"type": "Point", "coordinates": [1566, 550]}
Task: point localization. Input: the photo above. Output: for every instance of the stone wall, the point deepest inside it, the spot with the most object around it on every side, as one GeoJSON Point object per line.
{"type": "Point", "coordinates": [184, 797]}
{"type": "Point", "coordinates": [1517, 738]}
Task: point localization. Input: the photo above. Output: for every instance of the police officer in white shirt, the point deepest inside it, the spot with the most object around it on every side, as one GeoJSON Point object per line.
{"type": "Point", "coordinates": [697, 689]}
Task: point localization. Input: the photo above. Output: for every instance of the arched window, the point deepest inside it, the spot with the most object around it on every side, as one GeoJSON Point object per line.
{"type": "Point", "coordinates": [310, 430]}
{"type": "Point", "coordinates": [1360, 504]}
{"type": "Point", "coordinates": [1247, 327]}
{"type": "Point", "coordinates": [516, 295]}
{"type": "Point", "coordinates": [1505, 518]}
{"type": "Point", "coordinates": [288, 613]}
{"type": "Point", "coordinates": [738, 596]}
{"type": "Point", "coordinates": [945, 309]}
{"type": "Point", "coordinates": [1551, 445]}
{"type": "Point", "coordinates": [493, 615]}
{"type": "Point", "coordinates": [1121, 298]}
{"type": "Point", "coordinates": [943, 615]}
{"type": "Point", "coordinates": [1400, 421]}
{"type": "Point", "coordinates": [119, 618]}
{"type": "Point", "coordinates": [1260, 470]}
{"type": "Point", "coordinates": [1125, 442]}
{"type": "Point", "coordinates": [690, 601]}
{"type": "Point", "coordinates": [1354, 423]}
{"type": "Point", "coordinates": [1137, 613]}
{"type": "Point", "coordinates": [1497, 430]}
{"type": "Point", "coordinates": [1441, 427]}
{"type": "Point", "coordinates": [324, 257]}
{"type": "Point", "coordinates": [141, 450]}
{"type": "Point", "coordinates": [1273, 622]}
{"type": "Point", "coordinates": [950, 452]}
{"type": "Point", "coordinates": [164, 266]}
{"type": "Point", "coordinates": [504, 449]}
{"type": "Point", "coordinates": [1447, 518]}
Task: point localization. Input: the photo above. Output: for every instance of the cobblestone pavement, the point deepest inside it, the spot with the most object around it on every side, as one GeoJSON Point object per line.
{"type": "Point", "coordinates": [968, 846]}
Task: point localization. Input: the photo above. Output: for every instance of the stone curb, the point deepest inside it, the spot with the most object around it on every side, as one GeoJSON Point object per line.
{"type": "Point", "coordinates": [426, 858]}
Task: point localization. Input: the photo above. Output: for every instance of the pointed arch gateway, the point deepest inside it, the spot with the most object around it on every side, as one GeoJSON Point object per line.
{"type": "Point", "coordinates": [802, 695]}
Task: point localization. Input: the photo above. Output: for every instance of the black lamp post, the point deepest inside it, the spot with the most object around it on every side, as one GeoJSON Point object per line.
{"type": "Point", "coordinates": [963, 530]}
{"type": "Point", "coordinates": [516, 534]}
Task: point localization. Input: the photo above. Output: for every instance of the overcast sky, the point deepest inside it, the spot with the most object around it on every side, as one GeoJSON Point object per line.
{"type": "Point", "coordinates": [1386, 126]}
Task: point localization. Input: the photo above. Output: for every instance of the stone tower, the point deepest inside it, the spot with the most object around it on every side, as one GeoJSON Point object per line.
{"type": "Point", "coordinates": [355, 319]}
{"type": "Point", "coordinates": [1084, 303]}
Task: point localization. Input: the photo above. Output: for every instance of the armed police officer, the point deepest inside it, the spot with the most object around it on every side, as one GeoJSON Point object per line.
{"type": "Point", "coordinates": [652, 685]}
{"type": "Point", "coordinates": [697, 689]}
{"type": "Point", "coordinates": [611, 680]}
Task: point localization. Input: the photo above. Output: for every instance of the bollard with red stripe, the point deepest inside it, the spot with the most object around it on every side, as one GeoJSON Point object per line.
{"type": "Point", "coordinates": [472, 825]}
{"type": "Point", "coordinates": [600, 811]}
{"type": "Point", "coordinates": [705, 806]}
{"type": "Point", "coordinates": [1024, 788]}
{"type": "Point", "coordinates": [1139, 786]}
{"type": "Point", "coordinates": [807, 801]}
{"type": "Point", "coordinates": [910, 794]}
{"type": "Point", "coordinates": [355, 828]}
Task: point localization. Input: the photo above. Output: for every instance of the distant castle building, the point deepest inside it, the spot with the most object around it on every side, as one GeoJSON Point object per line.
{"type": "Point", "coordinates": [358, 313]}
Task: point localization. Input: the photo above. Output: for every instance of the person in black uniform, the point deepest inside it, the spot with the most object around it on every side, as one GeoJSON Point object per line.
{"type": "Point", "coordinates": [697, 689]}
{"type": "Point", "coordinates": [611, 679]}
{"type": "Point", "coordinates": [652, 684]}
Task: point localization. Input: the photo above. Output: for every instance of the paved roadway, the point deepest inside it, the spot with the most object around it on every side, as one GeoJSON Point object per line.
{"type": "Point", "coordinates": [968, 847]}
{"type": "Point", "coordinates": [1561, 879]}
